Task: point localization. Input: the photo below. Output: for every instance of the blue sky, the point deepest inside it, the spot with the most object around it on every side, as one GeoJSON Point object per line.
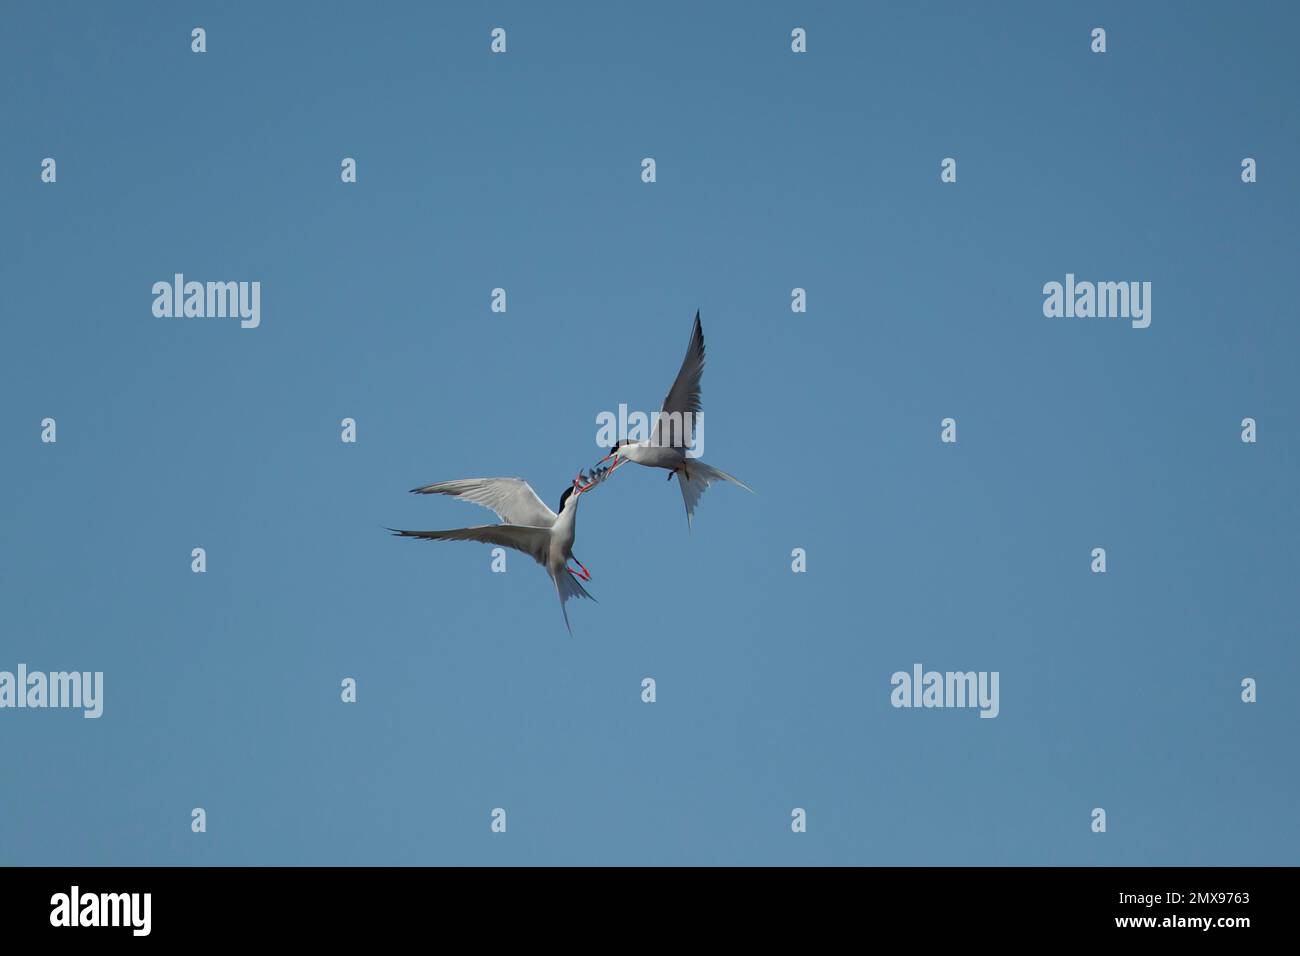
{"type": "Point", "coordinates": [774, 171]}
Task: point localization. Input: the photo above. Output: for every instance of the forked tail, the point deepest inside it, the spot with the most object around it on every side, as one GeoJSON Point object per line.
{"type": "Point", "coordinates": [694, 476]}
{"type": "Point", "coordinates": [568, 586]}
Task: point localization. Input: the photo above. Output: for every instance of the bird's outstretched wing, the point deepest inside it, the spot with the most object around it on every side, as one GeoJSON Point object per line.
{"type": "Point", "coordinates": [513, 500]}
{"type": "Point", "coordinates": [534, 542]}
{"type": "Point", "coordinates": [675, 423]}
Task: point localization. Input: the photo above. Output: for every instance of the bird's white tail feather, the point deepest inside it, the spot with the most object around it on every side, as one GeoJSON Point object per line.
{"type": "Point", "coordinates": [567, 586]}
{"type": "Point", "coordinates": [694, 477]}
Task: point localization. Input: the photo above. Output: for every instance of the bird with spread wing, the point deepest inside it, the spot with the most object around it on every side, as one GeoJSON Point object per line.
{"type": "Point", "coordinates": [672, 436]}
{"type": "Point", "coordinates": [527, 525]}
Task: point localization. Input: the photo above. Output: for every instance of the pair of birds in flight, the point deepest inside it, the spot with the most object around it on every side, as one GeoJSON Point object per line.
{"type": "Point", "coordinates": [529, 526]}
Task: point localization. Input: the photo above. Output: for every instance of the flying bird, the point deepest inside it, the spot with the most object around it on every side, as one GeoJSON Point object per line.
{"type": "Point", "coordinates": [527, 525]}
{"type": "Point", "coordinates": [673, 430]}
